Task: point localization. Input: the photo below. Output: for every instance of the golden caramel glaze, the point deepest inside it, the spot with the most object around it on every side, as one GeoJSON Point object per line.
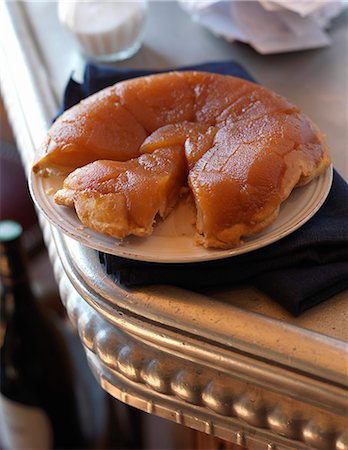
{"type": "Point", "coordinates": [97, 128]}
{"type": "Point", "coordinates": [158, 100]}
{"type": "Point", "coordinates": [245, 148]}
{"type": "Point", "coordinates": [195, 137]}
{"type": "Point", "coordinates": [215, 93]}
{"type": "Point", "coordinates": [252, 167]}
{"type": "Point", "coordinates": [109, 195]}
{"type": "Point", "coordinates": [173, 134]}
{"type": "Point", "coordinates": [255, 104]}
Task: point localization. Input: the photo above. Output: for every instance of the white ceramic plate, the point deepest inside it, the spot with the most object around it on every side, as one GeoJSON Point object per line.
{"type": "Point", "coordinates": [173, 239]}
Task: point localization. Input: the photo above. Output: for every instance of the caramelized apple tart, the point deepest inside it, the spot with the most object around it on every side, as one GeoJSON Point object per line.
{"type": "Point", "coordinates": [130, 150]}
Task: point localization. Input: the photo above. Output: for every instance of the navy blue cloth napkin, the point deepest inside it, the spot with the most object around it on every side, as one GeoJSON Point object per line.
{"type": "Point", "coordinates": [299, 271]}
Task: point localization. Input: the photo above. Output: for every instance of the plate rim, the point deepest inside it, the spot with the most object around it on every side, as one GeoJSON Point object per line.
{"type": "Point", "coordinates": [120, 249]}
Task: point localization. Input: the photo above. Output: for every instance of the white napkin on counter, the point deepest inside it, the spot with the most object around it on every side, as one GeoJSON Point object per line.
{"type": "Point", "coordinates": [270, 26]}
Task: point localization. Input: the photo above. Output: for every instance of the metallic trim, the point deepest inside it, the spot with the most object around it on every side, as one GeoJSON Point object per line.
{"type": "Point", "coordinates": [196, 395]}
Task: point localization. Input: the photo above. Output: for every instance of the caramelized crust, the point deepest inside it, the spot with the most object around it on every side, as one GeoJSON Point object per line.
{"type": "Point", "coordinates": [109, 195]}
{"type": "Point", "coordinates": [245, 148]}
{"type": "Point", "coordinates": [239, 184]}
{"type": "Point", "coordinates": [158, 100]}
{"type": "Point", "coordinates": [97, 128]}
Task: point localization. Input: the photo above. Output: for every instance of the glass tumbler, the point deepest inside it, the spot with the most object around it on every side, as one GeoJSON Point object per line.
{"type": "Point", "coordinates": [105, 30]}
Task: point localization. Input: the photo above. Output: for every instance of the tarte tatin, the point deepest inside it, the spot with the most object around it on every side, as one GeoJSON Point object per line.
{"type": "Point", "coordinates": [130, 150]}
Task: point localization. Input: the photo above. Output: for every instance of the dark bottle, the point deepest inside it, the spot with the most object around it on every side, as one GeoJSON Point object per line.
{"type": "Point", "coordinates": [37, 402]}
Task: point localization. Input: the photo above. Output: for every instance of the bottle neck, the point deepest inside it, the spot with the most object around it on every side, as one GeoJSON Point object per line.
{"type": "Point", "coordinates": [14, 275]}
{"type": "Point", "coordinates": [12, 259]}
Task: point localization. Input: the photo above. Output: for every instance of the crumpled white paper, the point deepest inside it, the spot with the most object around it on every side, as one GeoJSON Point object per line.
{"type": "Point", "coordinates": [270, 26]}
